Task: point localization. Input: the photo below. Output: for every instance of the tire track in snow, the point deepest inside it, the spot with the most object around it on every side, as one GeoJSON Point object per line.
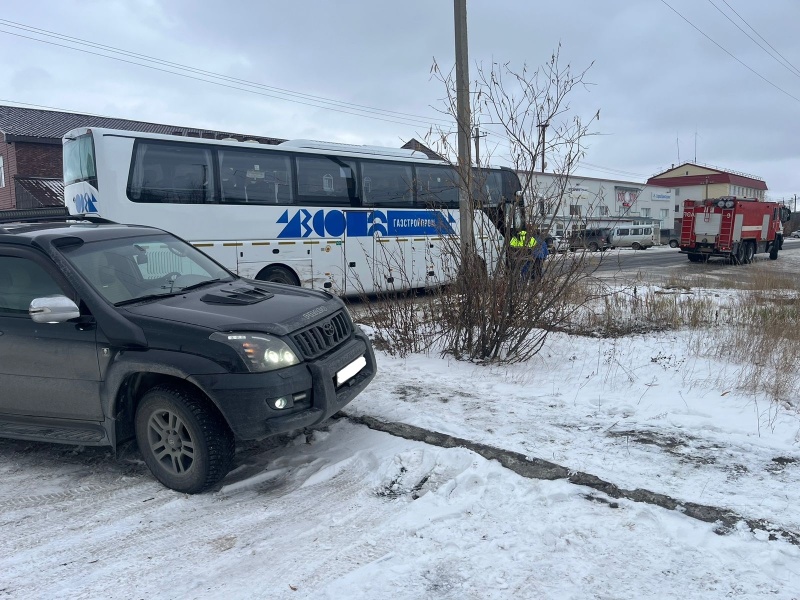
{"type": "Point", "coordinates": [537, 468]}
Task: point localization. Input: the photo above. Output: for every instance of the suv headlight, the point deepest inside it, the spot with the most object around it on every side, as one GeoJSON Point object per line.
{"type": "Point", "coordinates": [260, 352]}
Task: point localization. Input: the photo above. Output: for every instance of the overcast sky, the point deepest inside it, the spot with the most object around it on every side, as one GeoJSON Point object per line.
{"type": "Point", "coordinates": [656, 79]}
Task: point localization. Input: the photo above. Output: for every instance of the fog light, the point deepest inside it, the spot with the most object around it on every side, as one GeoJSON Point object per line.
{"type": "Point", "coordinates": [282, 402]}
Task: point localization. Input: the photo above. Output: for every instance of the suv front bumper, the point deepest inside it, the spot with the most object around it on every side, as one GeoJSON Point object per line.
{"type": "Point", "coordinates": [244, 398]}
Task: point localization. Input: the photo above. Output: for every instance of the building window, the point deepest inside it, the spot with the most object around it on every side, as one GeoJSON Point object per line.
{"type": "Point", "coordinates": [645, 212]}
{"type": "Point", "coordinates": [575, 210]}
{"type": "Point", "coordinates": [677, 192]}
{"type": "Point", "coordinates": [2, 173]}
{"type": "Point", "coordinates": [677, 208]}
{"type": "Point", "coordinates": [603, 209]}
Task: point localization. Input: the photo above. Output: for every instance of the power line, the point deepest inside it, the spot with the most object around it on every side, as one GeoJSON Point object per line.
{"type": "Point", "coordinates": [791, 69]}
{"type": "Point", "coordinates": [762, 37]}
{"type": "Point", "coordinates": [313, 101]}
{"type": "Point", "coordinates": [704, 34]}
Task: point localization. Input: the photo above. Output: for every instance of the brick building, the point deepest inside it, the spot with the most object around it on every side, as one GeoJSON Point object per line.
{"type": "Point", "coordinates": [31, 172]}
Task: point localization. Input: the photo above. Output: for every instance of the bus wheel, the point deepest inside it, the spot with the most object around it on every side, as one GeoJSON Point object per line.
{"type": "Point", "coordinates": [278, 275]}
{"type": "Point", "coordinates": [636, 246]}
{"type": "Point", "coordinates": [673, 243]}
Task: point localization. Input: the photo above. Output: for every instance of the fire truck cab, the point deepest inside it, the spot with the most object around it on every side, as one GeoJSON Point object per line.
{"type": "Point", "coordinates": [732, 228]}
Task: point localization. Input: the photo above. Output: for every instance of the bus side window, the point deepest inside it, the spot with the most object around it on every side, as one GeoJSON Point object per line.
{"type": "Point", "coordinates": [391, 185]}
{"type": "Point", "coordinates": [177, 173]}
{"type": "Point", "coordinates": [326, 180]}
{"type": "Point", "coordinates": [437, 187]}
{"type": "Point", "coordinates": [255, 177]}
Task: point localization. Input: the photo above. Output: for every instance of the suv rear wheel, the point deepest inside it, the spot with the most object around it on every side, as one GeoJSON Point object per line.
{"type": "Point", "coordinates": [186, 446]}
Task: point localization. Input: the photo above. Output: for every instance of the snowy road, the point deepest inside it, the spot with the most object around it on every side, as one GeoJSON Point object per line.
{"type": "Point", "coordinates": [351, 513]}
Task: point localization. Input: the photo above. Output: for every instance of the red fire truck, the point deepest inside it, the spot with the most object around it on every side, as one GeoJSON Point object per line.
{"type": "Point", "coordinates": [732, 228]}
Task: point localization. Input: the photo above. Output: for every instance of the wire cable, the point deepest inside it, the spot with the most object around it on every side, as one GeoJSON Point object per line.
{"type": "Point", "coordinates": [709, 38]}
{"type": "Point", "coordinates": [790, 68]}
{"type": "Point", "coordinates": [314, 104]}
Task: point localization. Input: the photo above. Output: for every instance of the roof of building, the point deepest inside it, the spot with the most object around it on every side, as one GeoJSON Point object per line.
{"type": "Point", "coordinates": [414, 144]}
{"type": "Point", "coordinates": [18, 123]}
{"type": "Point", "coordinates": [717, 175]}
{"type": "Point", "coordinates": [47, 191]}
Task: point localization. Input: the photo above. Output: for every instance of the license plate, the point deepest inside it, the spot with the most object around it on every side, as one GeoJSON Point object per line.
{"type": "Point", "coordinates": [350, 370]}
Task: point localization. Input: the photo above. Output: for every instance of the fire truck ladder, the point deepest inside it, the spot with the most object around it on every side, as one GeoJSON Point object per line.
{"type": "Point", "coordinates": [725, 239]}
{"type": "Point", "coordinates": [687, 227]}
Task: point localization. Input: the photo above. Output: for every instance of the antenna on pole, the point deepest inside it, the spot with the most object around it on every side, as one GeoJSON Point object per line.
{"type": "Point", "coordinates": [678, 144]}
{"type": "Point", "coordinates": [695, 144]}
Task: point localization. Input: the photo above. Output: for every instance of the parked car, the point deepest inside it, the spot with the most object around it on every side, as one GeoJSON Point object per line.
{"type": "Point", "coordinates": [591, 239]}
{"type": "Point", "coordinates": [638, 238]}
{"type": "Point", "coordinates": [795, 234]}
{"type": "Point", "coordinates": [110, 333]}
{"type": "Point", "coordinates": [556, 243]}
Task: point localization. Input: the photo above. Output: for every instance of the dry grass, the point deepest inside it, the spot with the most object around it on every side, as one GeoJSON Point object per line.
{"type": "Point", "coordinates": [750, 324]}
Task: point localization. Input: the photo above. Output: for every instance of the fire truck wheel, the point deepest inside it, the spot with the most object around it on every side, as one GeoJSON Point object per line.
{"type": "Point", "coordinates": [749, 252]}
{"type": "Point", "coordinates": [737, 258]}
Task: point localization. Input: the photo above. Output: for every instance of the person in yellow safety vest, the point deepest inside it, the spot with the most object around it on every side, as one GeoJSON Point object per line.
{"type": "Point", "coordinates": [529, 251]}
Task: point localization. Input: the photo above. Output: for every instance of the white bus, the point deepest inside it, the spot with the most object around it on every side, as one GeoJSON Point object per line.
{"type": "Point", "coordinates": [348, 219]}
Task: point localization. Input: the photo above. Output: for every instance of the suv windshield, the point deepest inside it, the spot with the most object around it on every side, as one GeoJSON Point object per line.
{"type": "Point", "coordinates": [125, 270]}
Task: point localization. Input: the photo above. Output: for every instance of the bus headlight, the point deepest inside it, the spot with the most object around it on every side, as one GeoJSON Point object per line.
{"type": "Point", "coordinates": [259, 351]}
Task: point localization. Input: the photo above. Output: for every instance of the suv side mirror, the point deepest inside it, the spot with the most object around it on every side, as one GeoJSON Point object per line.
{"type": "Point", "coordinates": [53, 309]}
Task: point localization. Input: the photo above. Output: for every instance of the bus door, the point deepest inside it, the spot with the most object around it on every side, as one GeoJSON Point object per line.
{"type": "Point", "coordinates": [359, 251]}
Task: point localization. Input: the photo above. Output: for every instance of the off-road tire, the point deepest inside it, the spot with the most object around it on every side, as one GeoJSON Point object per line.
{"type": "Point", "coordinates": [749, 252]}
{"type": "Point", "coordinates": [186, 444]}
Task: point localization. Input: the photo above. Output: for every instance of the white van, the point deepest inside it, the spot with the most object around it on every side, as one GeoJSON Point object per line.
{"type": "Point", "coordinates": [636, 237]}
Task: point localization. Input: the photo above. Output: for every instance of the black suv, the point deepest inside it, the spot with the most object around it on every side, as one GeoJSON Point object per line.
{"type": "Point", "coordinates": [591, 239]}
{"type": "Point", "coordinates": [112, 332]}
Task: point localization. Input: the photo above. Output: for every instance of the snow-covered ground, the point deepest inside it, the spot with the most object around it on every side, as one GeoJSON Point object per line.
{"type": "Point", "coordinates": [347, 512]}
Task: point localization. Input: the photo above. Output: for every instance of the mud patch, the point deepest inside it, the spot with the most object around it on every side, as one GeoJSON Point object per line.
{"type": "Point", "coordinates": [684, 447]}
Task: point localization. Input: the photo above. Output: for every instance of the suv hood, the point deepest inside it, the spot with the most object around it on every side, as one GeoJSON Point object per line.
{"type": "Point", "coordinates": [241, 305]}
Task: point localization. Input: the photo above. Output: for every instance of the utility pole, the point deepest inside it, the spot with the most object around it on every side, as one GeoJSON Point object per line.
{"type": "Point", "coordinates": [478, 135]}
{"type": "Point", "coordinates": [543, 139]}
{"type": "Point", "coordinates": [463, 118]}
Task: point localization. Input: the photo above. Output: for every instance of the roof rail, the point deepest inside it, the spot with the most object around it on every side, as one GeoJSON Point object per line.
{"type": "Point", "coordinates": [49, 214]}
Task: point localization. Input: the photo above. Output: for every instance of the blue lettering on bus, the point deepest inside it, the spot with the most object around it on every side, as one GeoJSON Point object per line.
{"type": "Point", "coordinates": [334, 223]}
{"type": "Point", "coordinates": [85, 203]}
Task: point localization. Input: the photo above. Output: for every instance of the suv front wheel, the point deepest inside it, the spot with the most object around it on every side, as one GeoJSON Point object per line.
{"type": "Point", "coordinates": [187, 447]}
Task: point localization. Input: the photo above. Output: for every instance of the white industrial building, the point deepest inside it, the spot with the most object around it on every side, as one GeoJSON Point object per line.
{"type": "Point", "coordinates": [563, 204]}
